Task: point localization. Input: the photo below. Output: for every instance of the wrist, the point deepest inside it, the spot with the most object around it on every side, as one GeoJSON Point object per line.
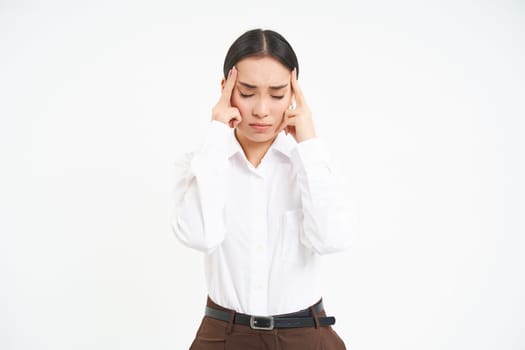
{"type": "Point", "coordinates": [306, 137]}
{"type": "Point", "coordinates": [307, 132]}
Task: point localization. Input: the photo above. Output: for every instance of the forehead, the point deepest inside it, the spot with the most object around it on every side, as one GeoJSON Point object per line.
{"type": "Point", "coordinates": [262, 71]}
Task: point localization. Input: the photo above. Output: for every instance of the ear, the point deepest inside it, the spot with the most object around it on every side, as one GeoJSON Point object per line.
{"type": "Point", "coordinates": [223, 81]}
{"type": "Point", "coordinates": [292, 103]}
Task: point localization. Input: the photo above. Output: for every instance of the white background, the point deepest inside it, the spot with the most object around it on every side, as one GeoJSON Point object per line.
{"type": "Point", "coordinates": [422, 101]}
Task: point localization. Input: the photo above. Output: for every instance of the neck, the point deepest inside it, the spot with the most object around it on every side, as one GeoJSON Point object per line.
{"type": "Point", "coordinates": [254, 151]}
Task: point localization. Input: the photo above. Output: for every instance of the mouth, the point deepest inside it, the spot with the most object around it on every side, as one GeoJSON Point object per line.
{"type": "Point", "coordinates": [261, 126]}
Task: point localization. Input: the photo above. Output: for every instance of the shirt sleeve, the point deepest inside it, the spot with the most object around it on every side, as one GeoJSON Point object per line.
{"type": "Point", "coordinates": [328, 211]}
{"type": "Point", "coordinates": [199, 191]}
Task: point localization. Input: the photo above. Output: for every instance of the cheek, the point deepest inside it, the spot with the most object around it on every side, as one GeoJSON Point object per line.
{"type": "Point", "coordinates": [281, 106]}
{"type": "Point", "coordinates": [241, 104]}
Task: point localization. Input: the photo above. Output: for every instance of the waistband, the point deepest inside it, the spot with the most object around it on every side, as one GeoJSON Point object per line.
{"type": "Point", "coordinates": [303, 318]}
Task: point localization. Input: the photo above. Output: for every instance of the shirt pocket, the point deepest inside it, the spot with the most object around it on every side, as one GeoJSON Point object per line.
{"type": "Point", "coordinates": [292, 249]}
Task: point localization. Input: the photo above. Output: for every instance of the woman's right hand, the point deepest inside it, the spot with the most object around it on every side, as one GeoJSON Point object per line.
{"type": "Point", "coordinates": [223, 110]}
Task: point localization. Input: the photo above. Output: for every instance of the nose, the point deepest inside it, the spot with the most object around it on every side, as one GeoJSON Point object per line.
{"type": "Point", "coordinates": [260, 108]}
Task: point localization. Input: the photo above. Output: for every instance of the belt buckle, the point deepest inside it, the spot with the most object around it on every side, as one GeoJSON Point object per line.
{"type": "Point", "coordinates": [265, 323]}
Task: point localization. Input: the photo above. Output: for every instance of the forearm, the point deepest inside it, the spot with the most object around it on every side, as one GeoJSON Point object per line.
{"type": "Point", "coordinates": [199, 193]}
{"type": "Point", "coordinates": [327, 224]}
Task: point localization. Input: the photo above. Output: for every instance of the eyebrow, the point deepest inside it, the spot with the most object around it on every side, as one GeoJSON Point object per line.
{"type": "Point", "coordinates": [250, 86]}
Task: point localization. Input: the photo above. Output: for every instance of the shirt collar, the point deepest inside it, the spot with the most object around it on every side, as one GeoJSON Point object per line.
{"type": "Point", "coordinates": [283, 143]}
{"type": "Point", "coordinates": [233, 146]}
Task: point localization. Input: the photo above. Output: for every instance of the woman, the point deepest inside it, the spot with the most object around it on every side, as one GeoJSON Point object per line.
{"type": "Point", "coordinates": [261, 199]}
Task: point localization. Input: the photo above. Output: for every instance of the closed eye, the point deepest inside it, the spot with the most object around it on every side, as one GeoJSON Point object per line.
{"type": "Point", "coordinates": [245, 95]}
{"type": "Point", "coordinates": [278, 97]}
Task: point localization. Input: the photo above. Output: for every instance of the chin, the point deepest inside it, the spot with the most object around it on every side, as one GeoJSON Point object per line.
{"type": "Point", "coordinates": [259, 137]}
{"type": "Point", "coordinates": [262, 137]}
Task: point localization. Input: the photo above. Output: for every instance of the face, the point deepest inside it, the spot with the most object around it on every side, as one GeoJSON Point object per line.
{"type": "Point", "coordinates": [262, 94]}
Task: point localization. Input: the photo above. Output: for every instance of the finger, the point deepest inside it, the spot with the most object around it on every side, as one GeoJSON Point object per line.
{"type": "Point", "coordinates": [235, 118]}
{"type": "Point", "coordinates": [228, 86]}
{"type": "Point", "coordinates": [290, 116]}
{"type": "Point", "coordinates": [288, 120]}
{"type": "Point", "coordinates": [299, 97]}
{"type": "Point", "coordinates": [283, 123]}
{"type": "Point", "coordinates": [234, 122]}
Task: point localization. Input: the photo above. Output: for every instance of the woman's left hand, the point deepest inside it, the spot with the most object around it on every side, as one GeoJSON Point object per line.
{"type": "Point", "coordinates": [298, 121]}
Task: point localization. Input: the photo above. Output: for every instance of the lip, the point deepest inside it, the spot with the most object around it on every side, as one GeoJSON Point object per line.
{"type": "Point", "coordinates": [261, 127]}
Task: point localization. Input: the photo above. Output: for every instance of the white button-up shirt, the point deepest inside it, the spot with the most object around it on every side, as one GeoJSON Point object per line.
{"type": "Point", "coordinates": [262, 229]}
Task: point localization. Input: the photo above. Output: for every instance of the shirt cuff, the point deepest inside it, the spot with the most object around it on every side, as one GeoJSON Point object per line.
{"type": "Point", "coordinates": [313, 154]}
{"type": "Point", "coordinates": [216, 137]}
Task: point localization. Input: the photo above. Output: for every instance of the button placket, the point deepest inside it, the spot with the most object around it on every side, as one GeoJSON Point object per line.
{"type": "Point", "coordinates": [259, 228]}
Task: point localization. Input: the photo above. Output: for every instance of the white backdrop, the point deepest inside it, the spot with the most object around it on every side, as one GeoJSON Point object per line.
{"type": "Point", "coordinates": [423, 102]}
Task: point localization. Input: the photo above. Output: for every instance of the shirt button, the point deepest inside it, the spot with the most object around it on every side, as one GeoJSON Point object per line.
{"type": "Point", "coordinates": [260, 248]}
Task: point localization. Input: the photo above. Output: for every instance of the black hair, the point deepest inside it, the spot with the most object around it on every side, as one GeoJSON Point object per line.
{"type": "Point", "coordinates": [259, 42]}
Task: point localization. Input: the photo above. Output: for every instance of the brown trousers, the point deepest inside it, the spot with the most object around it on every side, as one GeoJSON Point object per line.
{"type": "Point", "coordinates": [220, 335]}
